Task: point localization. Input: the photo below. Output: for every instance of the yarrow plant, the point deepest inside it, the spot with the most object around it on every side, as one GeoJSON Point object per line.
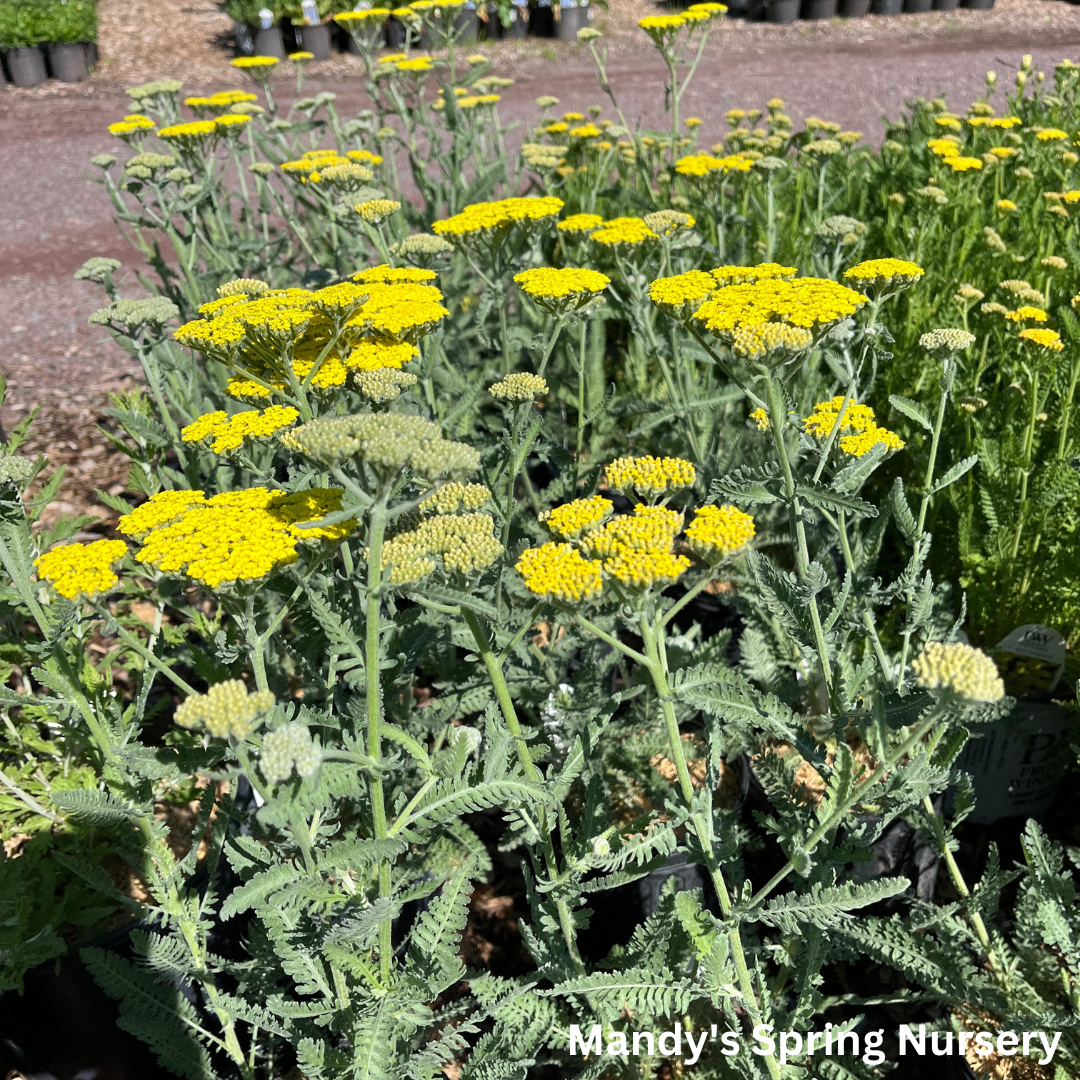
{"type": "Point", "coordinates": [496, 522]}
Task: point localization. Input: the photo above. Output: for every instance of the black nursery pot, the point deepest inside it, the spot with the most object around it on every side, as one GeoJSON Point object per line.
{"type": "Point", "coordinates": [542, 20]}
{"type": "Point", "coordinates": [395, 34]}
{"type": "Point", "coordinates": [68, 61]}
{"type": "Point", "coordinates": [617, 912]}
{"type": "Point", "coordinates": [315, 40]}
{"type": "Point", "coordinates": [978, 5]}
{"type": "Point", "coordinates": [781, 12]}
{"type": "Point", "coordinates": [946, 5]}
{"type": "Point", "coordinates": [27, 66]}
{"type": "Point", "coordinates": [918, 7]}
{"type": "Point", "coordinates": [817, 10]}
{"type": "Point", "coordinates": [853, 9]}
{"type": "Point", "coordinates": [573, 19]}
{"type": "Point", "coordinates": [887, 7]}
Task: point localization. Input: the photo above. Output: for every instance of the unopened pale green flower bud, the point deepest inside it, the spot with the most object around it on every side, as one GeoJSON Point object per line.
{"type": "Point", "coordinates": [967, 672]}
{"type": "Point", "coordinates": [520, 386]}
{"type": "Point", "coordinates": [226, 709]}
{"type": "Point", "coordinates": [946, 342]}
{"type": "Point", "coordinates": [288, 748]}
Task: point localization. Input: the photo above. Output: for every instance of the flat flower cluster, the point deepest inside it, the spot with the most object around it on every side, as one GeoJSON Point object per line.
{"type": "Point", "coordinates": [275, 338]}
{"type": "Point", "coordinates": [858, 419]}
{"type": "Point", "coordinates": [235, 537]}
{"type": "Point", "coordinates": [634, 551]}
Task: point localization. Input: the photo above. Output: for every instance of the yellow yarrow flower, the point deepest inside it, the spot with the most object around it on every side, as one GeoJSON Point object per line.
{"type": "Point", "coordinates": [495, 217]}
{"type": "Point", "coordinates": [648, 528]}
{"type": "Point", "coordinates": [1051, 134]}
{"type": "Point", "coordinates": [742, 275]}
{"type": "Point", "coordinates": [248, 63]}
{"type": "Point", "coordinates": [1027, 314]}
{"type": "Point", "coordinates": [761, 419]}
{"type": "Point", "coordinates": [227, 433]}
{"type": "Point", "coordinates": [240, 536]}
{"type": "Point", "coordinates": [580, 223]}
{"type": "Point", "coordinates": [775, 342]}
{"type": "Point", "coordinates": [1006, 205]}
{"type": "Point", "coordinates": [81, 569]}
{"type": "Point", "coordinates": [571, 519]}
{"type": "Point", "coordinates": [624, 230]}
{"type": "Point", "coordinates": [562, 290]}
{"type": "Point", "coordinates": [810, 303]}
{"type": "Point", "coordinates": [682, 294]}
{"type": "Point", "coordinates": [865, 441]}
{"type": "Point", "coordinates": [719, 531]}
{"type": "Point", "coordinates": [822, 420]}
{"type": "Point", "coordinates": [376, 211]}
{"type": "Point", "coordinates": [884, 273]}
{"type": "Point", "coordinates": [963, 164]}
{"type": "Point", "coordinates": [558, 572]}
{"type": "Point", "coordinates": [374, 354]}
{"type": "Point", "coordinates": [131, 126]}
{"type": "Point", "coordinates": [1048, 339]}
{"type": "Point", "coordinates": [650, 476]}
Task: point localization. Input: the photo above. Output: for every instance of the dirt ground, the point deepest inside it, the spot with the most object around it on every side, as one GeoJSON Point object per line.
{"type": "Point", "coordinates": [52, 217]}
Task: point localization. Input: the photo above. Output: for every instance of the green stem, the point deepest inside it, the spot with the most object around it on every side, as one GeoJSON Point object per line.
{"type": "Point", "coordinates": [376, 533]}
{"type": "Point", "coordinates": [778, 420]}
{"type": "Point", "coordinates": [656, 665]}
{"type": "Point", "coordinates": [960, 884]}
{"type": "Point", "coordinates": [506, 706]}
{"type": "Point", "coordinates": [947, 375]}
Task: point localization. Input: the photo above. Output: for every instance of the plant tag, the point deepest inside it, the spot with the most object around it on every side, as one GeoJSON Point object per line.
{"type": "Point", "coordinates": [266, 18]}
{"type": "Point", "coordinates": [311, 12]}
{"type": "Point", "coordinates": [1031, 642]}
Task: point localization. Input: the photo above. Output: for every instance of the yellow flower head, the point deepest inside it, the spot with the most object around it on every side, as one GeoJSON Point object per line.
{"type": "Point", "coordinates": [193, 133]}
{"type": "Point", "coordinates": [822, 420]}
{"type": "Point", "coordinates": [761, 419]}
{"type": "Point", "coordinates": [810, 303]}
{"type": "Point", "coordinates": [131, 126]}
{"type": "Point", "coordinates": [1027, 314]}
{"type": "Point", "coordinates": [562, 290]}
{"type": "Point", "coordinates": [376, 211]}
{"type": "Point", "coordinates": [964, 164]}
{"type": "Point", "coordinates": [944, 148]}
{"type": "Point", "coordinates": [1048, 339]}
{"type": "Point", "coordinates": [578, 223]}
{"type": "Point", "coordinates": [650, 476]}
{"type": "Point", "coordinates": [81, 569]}
{"type": "Point", "coordinates": [377, 354]}
{"type": "Point", "coordinates": [249, 63]}
{"type": "Point", "coordinates": [1051, 134]}
{"type": "Point", "coordinates": [628, 231]}
{"type": "Point", "coordinates": [239, 536]}
{"type": "Point", "coordinates": [865, 441]}
{"type": "Point", "coordinates": [225, 434]}
{"type": "Point", "coordinates": [571, 519]}
{"type": "Point", "coordinates": [682, 294]}
{"type": "Point", "coordinates": [1006, 205]}
{"type": "Point", "coordinates": [884, 274]}
{"type": "Point", "coordinates": [558, 572]}
{"type": "Point", "coordinates": [719, 531]}
{"type": "Point", "coordinates": [774, 342]}
{"type": "Point", "coordinates": [492, 219]}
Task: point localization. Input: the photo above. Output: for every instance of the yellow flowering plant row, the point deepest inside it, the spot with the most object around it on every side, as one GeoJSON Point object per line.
{"type": "Point", "coordinates": [437, 489]}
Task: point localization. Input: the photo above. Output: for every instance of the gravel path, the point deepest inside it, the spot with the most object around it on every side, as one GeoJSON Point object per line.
{"type": "Point", "coordinates": [53, 217]}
